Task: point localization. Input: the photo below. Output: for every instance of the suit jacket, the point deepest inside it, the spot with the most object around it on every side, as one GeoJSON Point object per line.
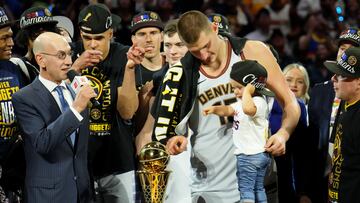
{"type": "Point", "coordinates": [319, 108]}
{"type": "Point", "coordinates": [56, 170]}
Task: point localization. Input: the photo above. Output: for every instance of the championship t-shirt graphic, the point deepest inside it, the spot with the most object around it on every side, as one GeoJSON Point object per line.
{"type": "Point", "coordinates": [9, 84]}
{"type": "Point", "coordinates": [11, 81]}
{"type": "Point", "coordinates": [100, 116]}
{"type": "Point", "coordinates": [337, 161]}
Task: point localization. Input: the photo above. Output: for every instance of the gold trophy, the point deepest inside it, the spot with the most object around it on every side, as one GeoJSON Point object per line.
{"type": "Point", "coordinates": [153, 177]}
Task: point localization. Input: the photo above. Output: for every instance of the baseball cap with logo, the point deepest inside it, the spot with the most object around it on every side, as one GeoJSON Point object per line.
{"type": "Point", "coordinates": [146, 19]}
{"type": "Point", "coordinates": [35, 16]}
{"type": "Point", "coordinates": [95, 19]}
{"type": "Point", "coordinates": [352, 35]}
{"type": "Point", "coordinates": [221, 21]}
{"type": "Point", "coordinates": [249, 71]}
{"type": "Point", "coordinates": [4, 20]}
{"type": "Point", "coordinates": [347, 65]}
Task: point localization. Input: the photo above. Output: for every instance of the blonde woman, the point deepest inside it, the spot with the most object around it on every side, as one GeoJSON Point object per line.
{"type": "Point", "coordinates": [298, 80]}
{"type": "Point", "coordinates": [290, 166]}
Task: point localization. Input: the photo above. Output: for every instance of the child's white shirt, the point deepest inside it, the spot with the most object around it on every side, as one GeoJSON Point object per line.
{"type": "Point", "coordinates": [250, 133]}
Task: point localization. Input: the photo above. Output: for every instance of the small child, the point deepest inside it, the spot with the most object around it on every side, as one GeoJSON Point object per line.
{"type": "Point", "coordinates": [250, 128]}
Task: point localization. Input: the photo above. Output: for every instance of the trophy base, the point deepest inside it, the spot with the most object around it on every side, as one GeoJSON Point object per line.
{"type": "Point", "coordinates": [153, 185]}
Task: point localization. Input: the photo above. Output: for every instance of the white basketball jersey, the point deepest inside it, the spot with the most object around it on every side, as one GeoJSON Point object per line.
{"type": "Point", "coordinates": [212, 158]}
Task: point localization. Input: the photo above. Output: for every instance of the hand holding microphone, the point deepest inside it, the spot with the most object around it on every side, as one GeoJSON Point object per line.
{"type": "Point", "coordinates": [84, 92]}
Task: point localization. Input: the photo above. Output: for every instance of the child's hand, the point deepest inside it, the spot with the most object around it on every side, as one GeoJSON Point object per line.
{"type": "Point", "coordinates": [208, 110]}
{"type": "Point", "coordinates": [250, 88]}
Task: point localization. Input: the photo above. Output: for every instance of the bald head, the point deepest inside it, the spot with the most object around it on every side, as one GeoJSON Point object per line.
{"type": "Point", "coordinates": [53, 55]}
{"type": "Point", "coordinates": [47, 41]}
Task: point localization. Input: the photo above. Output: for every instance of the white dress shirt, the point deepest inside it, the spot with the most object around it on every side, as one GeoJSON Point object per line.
{"type": "Point", "coordinates": [67, 95]}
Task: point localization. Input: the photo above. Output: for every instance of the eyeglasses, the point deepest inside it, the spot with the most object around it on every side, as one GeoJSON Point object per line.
{"type": "Point", "coordinates": [60, 54]}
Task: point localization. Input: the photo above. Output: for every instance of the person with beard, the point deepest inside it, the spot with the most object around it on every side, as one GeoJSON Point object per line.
{"type": "Point", "coordinates": [111, 141]}
{"type": "Point", "coordinates": [195, 85]}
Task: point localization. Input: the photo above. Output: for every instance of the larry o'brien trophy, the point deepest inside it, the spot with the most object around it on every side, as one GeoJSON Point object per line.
{"type": "Point", "coordinates": [153, 159]}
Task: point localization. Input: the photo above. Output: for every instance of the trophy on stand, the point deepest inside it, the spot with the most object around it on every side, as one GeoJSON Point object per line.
{"type": "Point", "coordinates": [153, 177]}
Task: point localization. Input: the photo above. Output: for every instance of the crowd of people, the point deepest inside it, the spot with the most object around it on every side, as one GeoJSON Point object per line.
{"type": "Point", "coordinates": [254, 101]}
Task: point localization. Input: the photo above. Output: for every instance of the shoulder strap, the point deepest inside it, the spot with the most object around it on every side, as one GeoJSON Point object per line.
{"type": "Point", "coordinates": [237, 43]}
{"type": "Point", "coordinates": [21, 64]}
{"type": "Point", "coordinates": [336, 122]}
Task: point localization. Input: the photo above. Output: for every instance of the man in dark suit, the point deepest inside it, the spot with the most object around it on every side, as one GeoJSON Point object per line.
{"type": "Point", "coordinates": [55, 127]}
{"type": "Point", "coordinates": [322, 112]}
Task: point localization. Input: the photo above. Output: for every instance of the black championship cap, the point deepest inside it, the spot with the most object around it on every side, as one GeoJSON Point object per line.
{"type": "Point", "coordinates": [95, 19]}
{"type": "Point", "coordinates": [351, 35]}
{"type": "Point", "coordinates": [348, 65]}
{"type": "Point", "coordinates": [4, 20]}
{"type": "Point", "coordinates": [221, 21]}
{"type": "Point", "coordinates": [35, 16]}
{"type": "Point", "coordinates": [146, 19]}
{"type": "Point", "coordinates": [252, 72]}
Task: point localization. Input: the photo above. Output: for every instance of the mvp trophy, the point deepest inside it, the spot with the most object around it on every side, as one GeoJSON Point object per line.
{"type": "Point", "coordinates": [153, 177]}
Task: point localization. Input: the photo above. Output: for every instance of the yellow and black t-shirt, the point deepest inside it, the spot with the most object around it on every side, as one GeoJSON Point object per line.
{"type": "Point", "coordinates": [111, 147]}
{"type": "Point", "coordinates": [344, 179]}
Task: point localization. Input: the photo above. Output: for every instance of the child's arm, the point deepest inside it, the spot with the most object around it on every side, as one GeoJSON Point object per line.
{"type": "Point", "coordinates": [219, 110]}
{"type": "Point", "coordinates": [248, 105]}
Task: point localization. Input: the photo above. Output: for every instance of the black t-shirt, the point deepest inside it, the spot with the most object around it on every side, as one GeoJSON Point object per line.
{"type": "Point", "coordinates": [143, 75]}
{"type": "Point", "coordinates": [344, 180]}
{"type": "Point", "coordinates": [158, 78]}
{"type": "Point", "coordinates": [111, 146]}
{"type": "Point", "coordinates": [146, 75]}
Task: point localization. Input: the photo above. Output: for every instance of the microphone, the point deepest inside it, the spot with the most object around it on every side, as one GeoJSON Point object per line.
{"type": "Point", "coordinates": [77, 81]}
